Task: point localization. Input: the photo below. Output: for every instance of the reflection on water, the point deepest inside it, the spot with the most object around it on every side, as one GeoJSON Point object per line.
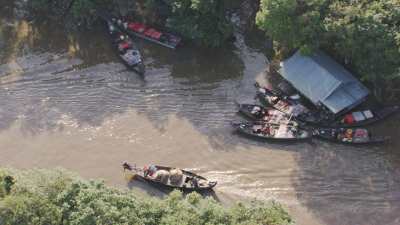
{"type": "Point", "coordinates": [67, 101]}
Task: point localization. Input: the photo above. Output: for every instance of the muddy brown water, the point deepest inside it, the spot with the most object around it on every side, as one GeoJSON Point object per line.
{"type": "Point", "coordinates": [66, 101]}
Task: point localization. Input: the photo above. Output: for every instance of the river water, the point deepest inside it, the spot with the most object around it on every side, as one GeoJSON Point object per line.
{"type": "Point", "coordinates": [66, 101]}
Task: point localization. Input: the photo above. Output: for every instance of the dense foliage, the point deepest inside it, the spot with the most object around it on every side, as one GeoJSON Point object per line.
{"type": "Point", "coordinates": [363, 34]}
{"type": "Point", "coordinates": [76, 13]}
{"type": "Point", "coordinates": [42, 197]}
{"type": "Point", "coordinates": [203, 21]}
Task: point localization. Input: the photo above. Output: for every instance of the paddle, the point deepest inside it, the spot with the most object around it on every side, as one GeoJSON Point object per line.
{"type": "Point", "coordinates": [131, 173]}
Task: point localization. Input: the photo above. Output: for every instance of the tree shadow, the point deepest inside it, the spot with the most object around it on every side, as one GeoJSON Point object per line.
{"type": "Point", "coordinates": [55, 65]}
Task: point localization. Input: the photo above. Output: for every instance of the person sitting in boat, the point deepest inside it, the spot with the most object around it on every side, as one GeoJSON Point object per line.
{"type": "Point", "coordinates": [293, 131]}
{"type": "Point", "coordinates": [266, 130]}
{"type": "Point", "coordinates": [124, 44]}
{"type": "Point", "coordinates": [274, 99]}
{"type": "Point", "coordinates": [256, 110]}
{"type": "Point", "coordinates": [348, 135]}
{"type": "Point", "coordinates": [149, 171]}
{"type": "Point", "coordinates": [257, 129]}
{"type": "Point", "coordinates": [193, 181]}
{"type": "Point", "coordinates": [111, 28]}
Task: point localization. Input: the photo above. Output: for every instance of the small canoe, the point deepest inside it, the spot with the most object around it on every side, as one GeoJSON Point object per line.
{"type": "Point", "coordinates": [272, 132]}
{"type": "Point", "coordinates": [189, 181]}
{"type": "Point", "coordinates": [126, 50]}
{"type": "Point", "coordinates": [350, 136]}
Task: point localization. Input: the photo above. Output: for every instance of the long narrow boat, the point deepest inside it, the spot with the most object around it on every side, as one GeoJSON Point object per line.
{"type": "Point", "coordinates": [350, 136]}
{"type": "Point", "coordinates": [188, 182]}
{"type": "Point", "coordinates": [359, 118]}
{"type": "Point", "coordinates": [151, 34]}
{"type": "Point", "coordinates": [281, 103]}
{"type": "Point", "coordinates": [143, 31]}
{"type": "Point", "coordinates": [272, 132]}
{"type": "Point", "coordinates": [260, 113]}
{"type": "Point", "coordinates": [126, 49]}
{"type": "Point", "coordinates": [323, 118]}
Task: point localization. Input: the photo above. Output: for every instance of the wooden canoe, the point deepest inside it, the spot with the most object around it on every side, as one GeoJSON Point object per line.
{"type": "Point", "coordinates": [190, 181]}
{"type": "Point", "coordinates": [358, 136]}
{"type": "Point", "coordinates": [272, 132]}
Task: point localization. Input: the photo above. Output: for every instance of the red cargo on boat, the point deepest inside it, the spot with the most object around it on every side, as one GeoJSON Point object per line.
{"type": "Point", "coordinates": [137, 27]}
{"type": "Point", "coordinates": [140, 30]}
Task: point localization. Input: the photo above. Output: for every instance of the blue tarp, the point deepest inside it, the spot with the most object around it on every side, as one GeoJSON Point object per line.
{"type": "Point", "coordinates": [323, 81]}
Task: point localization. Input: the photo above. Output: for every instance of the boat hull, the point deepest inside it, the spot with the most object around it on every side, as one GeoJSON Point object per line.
{"type": "Point", "coordinates": [324, 134]}
{"type": "Point", "coordinates": [140, 176]}
{"type": "Point", "coordinates": [244, 129]}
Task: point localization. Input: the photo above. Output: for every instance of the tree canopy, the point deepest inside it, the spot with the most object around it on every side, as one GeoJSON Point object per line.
{"type": "Point", "coordinates": [42, 197]}
{"type": "Point", "coordinates": [201, 20]}
{"type": "Point", "coordinates": [363, 34]}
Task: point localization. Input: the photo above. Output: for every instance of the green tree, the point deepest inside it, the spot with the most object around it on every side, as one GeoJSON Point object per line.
{"type": "Point", "coordinates": [41, 197]}
{"type": "Point", "coordinates": [201, 20]}
{"type": "Point", "coordinates": [363, 34]}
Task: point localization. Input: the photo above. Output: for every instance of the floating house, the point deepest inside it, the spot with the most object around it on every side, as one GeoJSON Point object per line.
{"type": "Point", "coordinates": [323, 81]}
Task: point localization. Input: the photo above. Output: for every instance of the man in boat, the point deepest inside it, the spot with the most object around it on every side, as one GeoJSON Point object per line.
{"type": "Point", "coordinates": [111, 28]}
{"type": "Point", "coordinates": [256, 110]}
{"type": "Point", "coordinates": [347, 135]}
{"type": "Point", "coordinates": [266, 130]}
{"type": "Point", "coordinates": [193, 181]}
{"type": "Point", "coordinates": [275, 100]}
{"type": "Point", "coordinates": [149, 171]}
{"type": "Point", "coordinates": [257, 129]}
{"type": "Point", "coordinates": [123, 44]}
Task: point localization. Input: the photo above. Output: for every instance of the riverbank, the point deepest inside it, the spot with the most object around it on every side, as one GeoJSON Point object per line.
{"type": "Point", "coordinates": [59, 197]}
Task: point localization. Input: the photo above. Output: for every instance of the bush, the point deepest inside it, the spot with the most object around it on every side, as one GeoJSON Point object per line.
{"type": "Point", "coordinates": [57, 197]}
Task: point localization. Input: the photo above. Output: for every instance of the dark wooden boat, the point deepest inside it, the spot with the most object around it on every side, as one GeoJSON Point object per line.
{"type": "Point", "coordinates": [151, 34]}
{"type": "Point", "coordinates": [272, 132]}
{"type": "Point", "coordinates": [282, 103]}
{"type": "Point", "coordinates": [322, 117]}
{"type": "Point", "coordinates": [359, 118]}
{"type": "Point", "coordinates": [351, 136]}
{"type": "Point", "coordinates": [143, 31]}
{"type": "Point", "coordinates": [260, 113]}
{"type": "Point", "coordinates": [190, 181]}
{"type": "Point", "coordinates": [126, 49]}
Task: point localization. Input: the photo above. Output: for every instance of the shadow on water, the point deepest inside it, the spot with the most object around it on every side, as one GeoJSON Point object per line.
{"type": "Point", "coordinates": [161, 192]}
{"type": "Point", "coordinates": [78, 74]}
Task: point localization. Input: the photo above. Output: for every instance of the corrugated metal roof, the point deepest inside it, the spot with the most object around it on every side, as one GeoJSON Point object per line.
{"type": "Point", "coordinates": [321, 79]}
